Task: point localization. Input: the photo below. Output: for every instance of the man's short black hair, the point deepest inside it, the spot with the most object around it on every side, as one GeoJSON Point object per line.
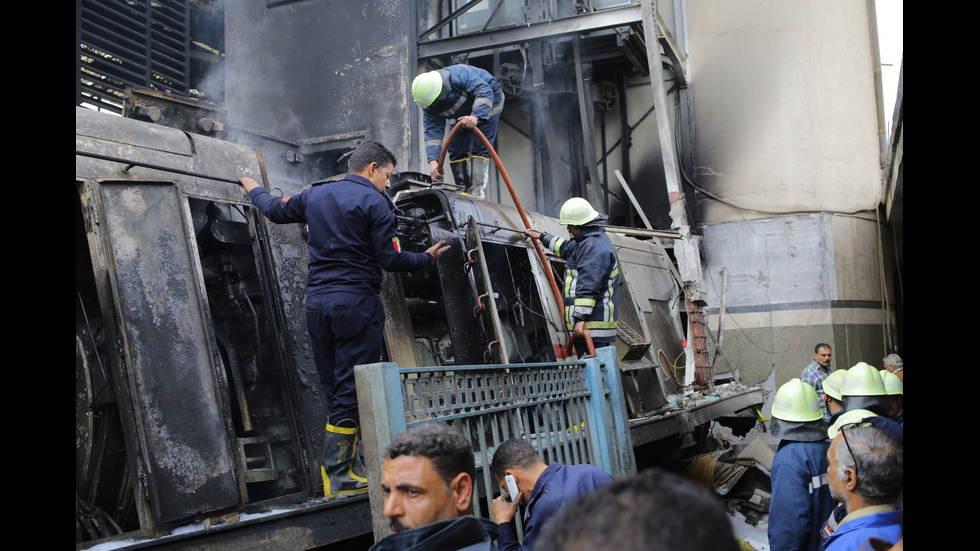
{"type": "Point", "coordinates": [652, 510]}
{"type": "Point", "coordinates": [512, 454]}
{"type": "Point", "coordinates": [816, 349]}
{"type": "Point", "coordinates": [449, 451]}
{"type": "Point", "coordinates": [370, 152]}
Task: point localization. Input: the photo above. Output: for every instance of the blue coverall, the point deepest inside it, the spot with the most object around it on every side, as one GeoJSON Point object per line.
{"type": "Point", "coordinates": [473, 91]}
{"type": "Point", "coordinates": [353, 237]}
{"type": "Point", "coordinates": [800, 500]}
{"type": "Point", "coordinates": [591, 291]}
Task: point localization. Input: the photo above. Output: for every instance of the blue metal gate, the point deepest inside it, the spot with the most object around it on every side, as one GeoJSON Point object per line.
{"type": "Point", "coordinates": [571, 412]}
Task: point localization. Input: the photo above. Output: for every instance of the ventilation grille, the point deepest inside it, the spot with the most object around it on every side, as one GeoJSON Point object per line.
{"type": "Point", "coordinates": [124, 43]}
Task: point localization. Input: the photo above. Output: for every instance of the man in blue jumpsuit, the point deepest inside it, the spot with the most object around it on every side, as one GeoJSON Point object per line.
{"type": "Point", "coordinates": [800, 499]}
{"type": "Point", "coordinates": [352, 238]}
{"type": "Point", "coordinates": [591, 293]}
{"type": "Point", "coordinates": [543, 489]}
{"type": "Point", "coordinates": [468, 94]}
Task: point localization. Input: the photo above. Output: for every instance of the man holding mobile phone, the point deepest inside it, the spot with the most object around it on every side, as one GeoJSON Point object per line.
{"type": "Point", "coordinates": [542, 489]}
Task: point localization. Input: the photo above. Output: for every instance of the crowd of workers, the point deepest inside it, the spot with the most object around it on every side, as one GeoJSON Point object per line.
{"type": "Point", "coordinates": [835, 487]}
{"type": "Point", "coordinates": [825, 494]}
{"type": "Point", "coordinates": [837, 476]}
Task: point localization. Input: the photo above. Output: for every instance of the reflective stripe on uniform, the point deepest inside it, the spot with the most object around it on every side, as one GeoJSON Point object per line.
{"type": "Point", "coordinates": [482, 101]}
{"type": "Point", "coordinates": [496, 109]}
{"type": "Point", "coordinates": [556, 245]}
{"type": "Point", "coordinates": [818, 481]}
{"type": "Point", "coordinates": [459, 103]}
{"type": "Point", "coordinates": [610, 306]}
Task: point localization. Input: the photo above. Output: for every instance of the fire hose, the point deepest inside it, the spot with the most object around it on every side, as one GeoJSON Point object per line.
{"type": "Point", "coordinates": [527, 225]}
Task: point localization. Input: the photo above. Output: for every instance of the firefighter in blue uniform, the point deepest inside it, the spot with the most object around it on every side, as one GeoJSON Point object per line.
{"type": "Point", "coordinates": [801, 498]}
{"type": "Point", "coordinates": [469, 94]}
{"type": "Point", "coordinates": [591, 293]}
{"type": "Point", "coordinates": [352, 238]}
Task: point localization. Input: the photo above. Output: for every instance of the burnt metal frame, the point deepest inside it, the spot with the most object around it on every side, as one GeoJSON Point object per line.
{"type": "Point", "coordinates": [594, 21]}
{"type": "Point", "coordinates": [580, 406]}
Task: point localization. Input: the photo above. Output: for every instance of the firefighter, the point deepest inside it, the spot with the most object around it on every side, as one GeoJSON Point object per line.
{"type": "Point", "coordinates": [591, 295]}
{"type": "Point", "coordinates": [800, 496]}
{"type": "Point", "coordinates": [833, 399]}
{"type": "Point", "coordinates": [895, 390]}
{"type": "Point", "coordinates": [352, 238]}
{"type": "Point", "coordinates": [460, 93]}
{"type": "Point", "coordinates": [862, 388]}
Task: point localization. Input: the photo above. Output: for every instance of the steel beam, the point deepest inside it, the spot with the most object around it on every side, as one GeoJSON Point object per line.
{"type": "Point", "coordinates": [449, 19]}
{"type": "Point", "coordinates": [580, 24]}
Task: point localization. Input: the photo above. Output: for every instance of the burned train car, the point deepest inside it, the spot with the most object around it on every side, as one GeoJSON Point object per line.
{"type": "Point", "coordinates": [195, 393]}
{"type": "Point", "coordinates": [196, 396]}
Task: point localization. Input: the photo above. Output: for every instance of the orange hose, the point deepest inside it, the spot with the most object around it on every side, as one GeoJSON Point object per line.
{"type": "Point", "coordinates": [517, 203]}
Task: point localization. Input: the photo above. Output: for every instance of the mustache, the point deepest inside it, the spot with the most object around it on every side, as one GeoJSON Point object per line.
{"type": "Point", "coordinates": [395, 525]}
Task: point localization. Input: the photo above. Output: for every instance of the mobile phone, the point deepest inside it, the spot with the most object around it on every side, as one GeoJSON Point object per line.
{"type": "Point", "coordinates": [512, 487]}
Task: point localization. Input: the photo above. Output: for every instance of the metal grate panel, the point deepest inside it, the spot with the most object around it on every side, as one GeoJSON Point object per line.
{"type": "Point", "coordinates": [571, 412]}
{"type": "Point", "coordinates": [131, 43]}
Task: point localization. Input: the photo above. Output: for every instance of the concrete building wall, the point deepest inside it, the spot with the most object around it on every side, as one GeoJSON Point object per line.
{"type": "Point", "coordinates": [787, 141]}
{"type": "Point", "coordinates": [785, 107]}
{"type": "Point", "coordinates": [793, 282]}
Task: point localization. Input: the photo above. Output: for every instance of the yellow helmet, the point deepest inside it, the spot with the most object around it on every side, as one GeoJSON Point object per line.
{"type": "Point", "coordinates": [796, 401]}
{"type": "Point", "coordinates": [893, 385]}
{"type": "Point", "coordinates": [832, 384]}
{"type": "Point", "coordinates": [426, 88]}
{"type": "Point", "coordinates": [862, 380]}
{"type": "Point", "coordinates": [577, 212]}
{"type": "Point", "coordinates": [849, 418]}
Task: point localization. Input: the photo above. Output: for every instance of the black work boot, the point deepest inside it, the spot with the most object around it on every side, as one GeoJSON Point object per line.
{"type": "Point", "coordinates": [461, 173]}
{"type": "Point", "coordinates": [342, 470]}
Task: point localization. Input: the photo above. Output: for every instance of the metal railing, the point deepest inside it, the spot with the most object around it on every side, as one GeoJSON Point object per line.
{"type": "Point", "coordinates": [571, 412]}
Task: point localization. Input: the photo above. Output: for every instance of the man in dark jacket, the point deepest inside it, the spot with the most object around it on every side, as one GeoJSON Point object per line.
{"type": "Point", "coordinates": [460, 93]}
{"type": "Point", "coordinates": [543, 489]}
{"type": "Point", "coordinates": [352, 238]}
{"type": "Point", "coordinates": [591, 272]}
{"type": "Point", "coordinates": [427, 482]}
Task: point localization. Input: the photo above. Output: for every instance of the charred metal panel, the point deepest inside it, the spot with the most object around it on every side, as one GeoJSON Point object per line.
{"type": "Point", "coordinates": [189, 463]}
{"type": "Point", "coordinates": [322, 68]}
{"type": "Point", "coordinates": [469, 344]}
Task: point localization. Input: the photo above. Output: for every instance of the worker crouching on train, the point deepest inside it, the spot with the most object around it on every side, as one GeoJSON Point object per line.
{"type": "Point", "coordinates": [591, 291]}
{"type": "Point", "coordinates": [467, 94]}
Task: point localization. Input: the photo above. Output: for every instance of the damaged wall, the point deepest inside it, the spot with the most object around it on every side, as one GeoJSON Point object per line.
{"type": "Point", "coordinates": [793, 282]}
{"type": "Point", "coordinates": [785, 108]}
{"type": "Point", "coordinates": [787, 143]}
{"type": "Point", "coordinates": [305, 70]}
